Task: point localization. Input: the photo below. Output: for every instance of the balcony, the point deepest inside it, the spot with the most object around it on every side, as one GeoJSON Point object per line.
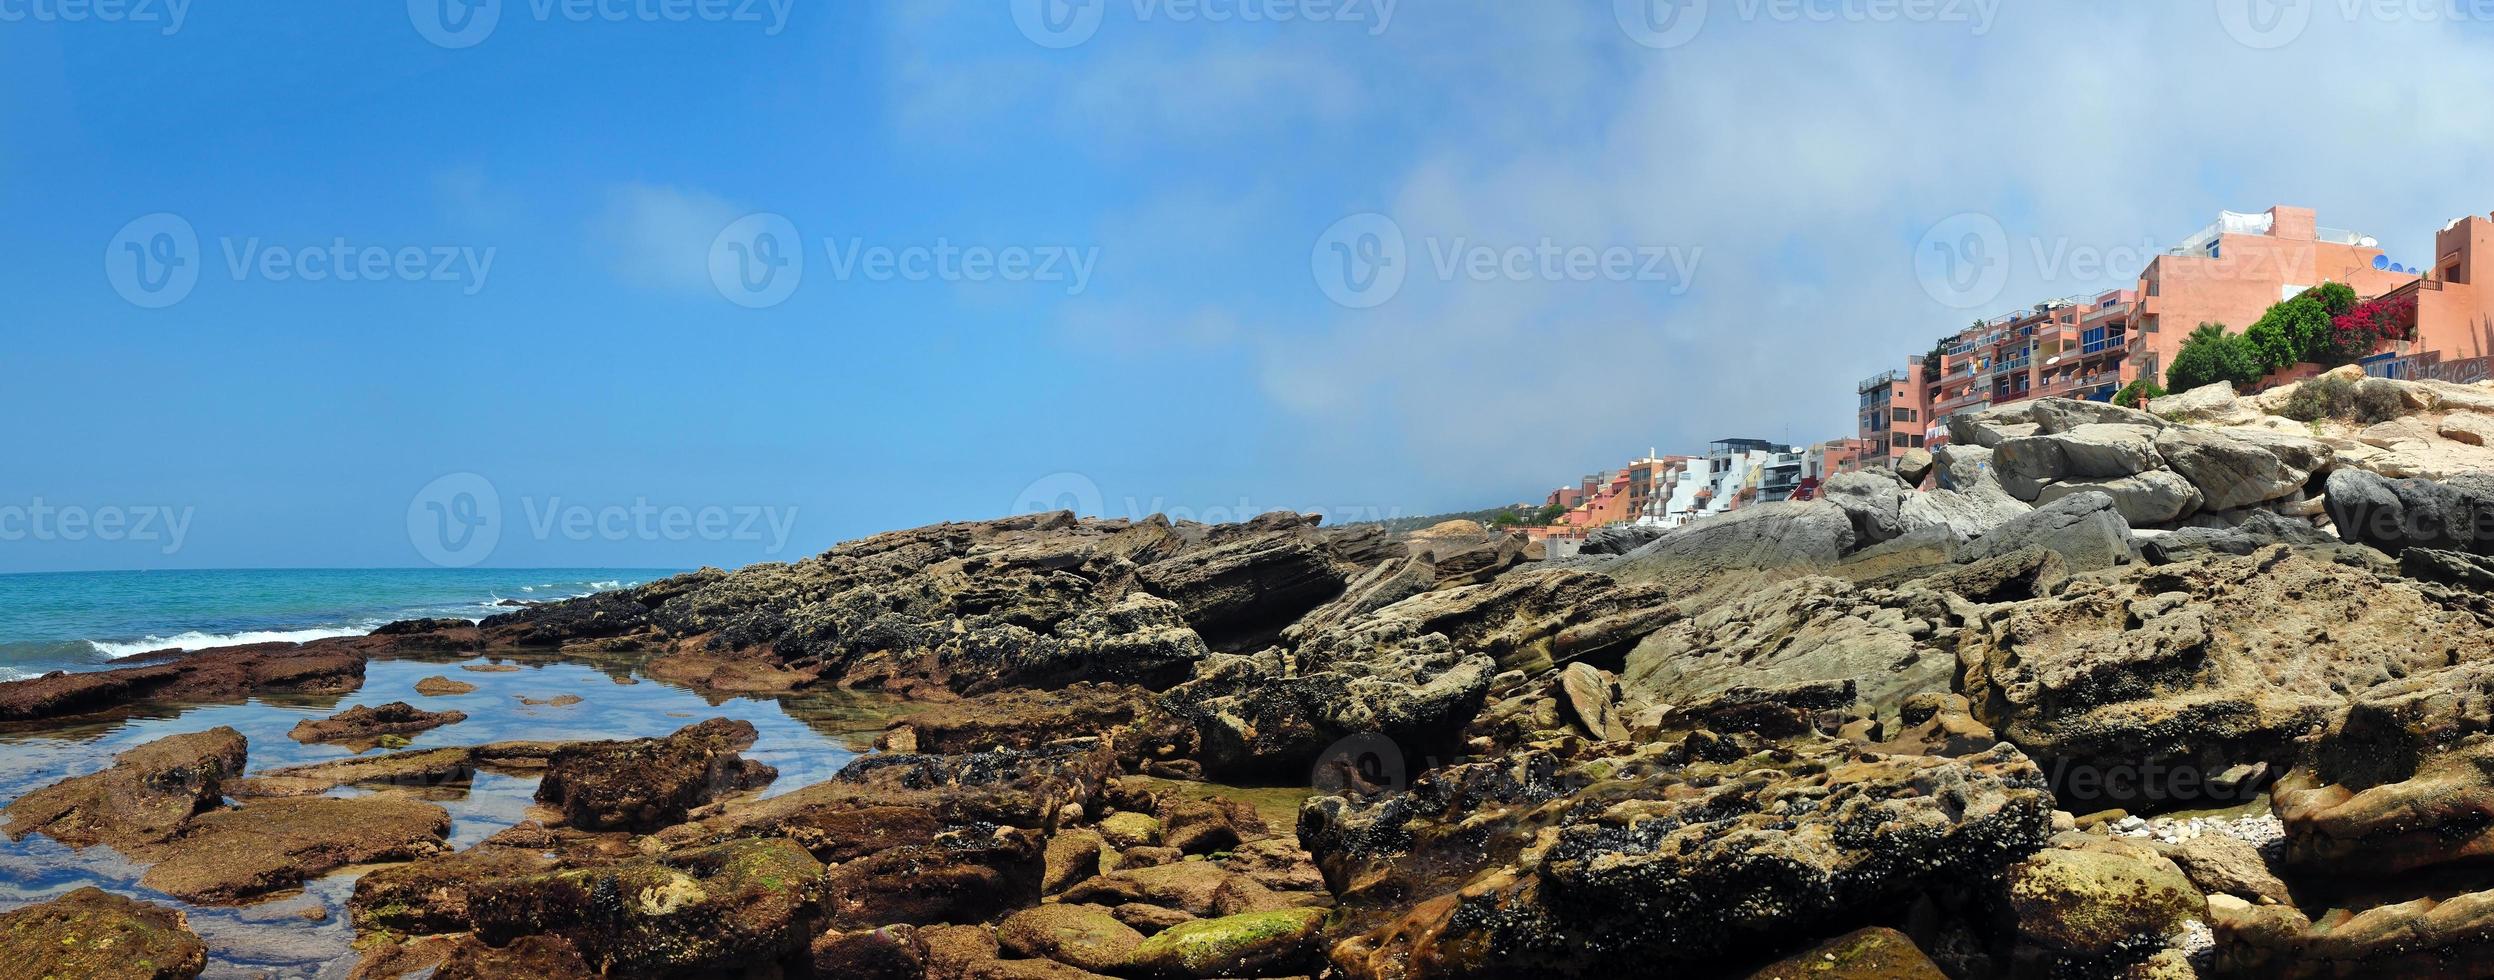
{"type": "Point", "coordinates": [1878, 381]}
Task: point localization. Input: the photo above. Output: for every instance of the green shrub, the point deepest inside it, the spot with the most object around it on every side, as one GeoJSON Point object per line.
{"type": "Point", "coordinates": [2336, 297]}
{"type": "Point", "coordinates": [2377, 401]}
{"type": "Point", "coordinates": [2137, 393]}
{"type": "Point", "coordinates": [2211, 355]}
{"type": "Point", "coordinates": [2321, 398]}
{"type": "Point", "coordinates": [2369, 402]}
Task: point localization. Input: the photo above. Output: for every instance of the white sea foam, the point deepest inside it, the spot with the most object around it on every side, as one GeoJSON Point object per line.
{"type": "Point", "coordinates": [606, 585]}
{"type": "Point", "coordinates": [9, 674]}
{"type": "Point", "coordinates": [195, 640]}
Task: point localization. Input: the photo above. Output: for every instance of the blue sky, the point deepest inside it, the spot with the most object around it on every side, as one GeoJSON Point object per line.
{"type": "Point", "coordinates": [1764, 184]}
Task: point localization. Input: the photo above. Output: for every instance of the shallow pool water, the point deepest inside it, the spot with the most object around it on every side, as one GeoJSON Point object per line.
{"type": "Point", "coordinates": [305, 933]}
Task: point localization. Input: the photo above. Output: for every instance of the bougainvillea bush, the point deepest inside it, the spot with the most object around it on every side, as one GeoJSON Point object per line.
{"type": "Point", "coordinates": [2368, 327]}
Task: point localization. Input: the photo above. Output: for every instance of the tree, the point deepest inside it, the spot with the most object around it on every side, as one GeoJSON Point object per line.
{"type": "Point", "coordinates": [2338, 297]}
{"type": "Point", "coordinates": [2269, 343]}
{"type": "Point", "coordinates": [2211, 355]}
{"type": "Point", "coordinates": [2292, 331]}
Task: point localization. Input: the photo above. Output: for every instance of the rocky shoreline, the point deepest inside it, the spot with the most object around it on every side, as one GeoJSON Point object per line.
{"type": "Point", "coordinates": [2090, 692]}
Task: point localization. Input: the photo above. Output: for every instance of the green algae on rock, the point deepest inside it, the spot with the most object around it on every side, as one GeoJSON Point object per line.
{"type": "Point", "coordinates": [1282, 940]}
{"type": "Point", "coordinates": [89, 933]}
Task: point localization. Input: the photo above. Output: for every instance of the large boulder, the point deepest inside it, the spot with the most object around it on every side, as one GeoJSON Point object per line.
{"type": "Point", "coordinates": [1805, 630]}
{"type": "Point", "coordinates": [2143, 499]}
{"type": "Point", "coordinates": [645, 784]}
{"type": "Point", "coordinates": [1786, 536]}
{"type": "Point", "coordinates": [1965, 467]}
{"type": "Point", "coordinates": [2101, 905]}
{"type": "Point", "coordinates": [89, 933]}
{"type": "Point", "coordinates": [1636, 859]}
{"type": "Point", "coordinates": [2395, 515]}
{"type": "Point", "coordinates": [144, 798]}
{"type": "Point", "coordinates": [1963, 514]}
{"type": "Point", "coordinates": [2138, 687]}
{"type": "Point", "coordinates": [2084, 527]}
{"type": "Point", "coordinates": [2247, 532]}
{"type": "Point", "coordinates": [2039, 416]}
{"type": "Point", "coordinates": [2214, 402]}
{"type": "Point", "coordinates": [1415, 671]}
{"type": "Point", "coordinates": [1870, 500]}
{"type": "Point", "coordinates": [2095, 450]}
{"type": "Point", "coordinates": [2233, 471]}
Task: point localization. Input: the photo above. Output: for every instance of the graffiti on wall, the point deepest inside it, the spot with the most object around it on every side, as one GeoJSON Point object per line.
{"type": "Point", "coordinates": [2431, 367]}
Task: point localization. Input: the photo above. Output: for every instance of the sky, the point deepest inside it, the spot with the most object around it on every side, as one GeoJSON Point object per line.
{"type": "Point", "coordinates": [662, 283]}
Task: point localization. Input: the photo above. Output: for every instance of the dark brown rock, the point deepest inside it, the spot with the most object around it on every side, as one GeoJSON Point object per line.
{"type": "Point", "coordinates": [227, 856]}
{"type": "Point", "coordinates": [360, 724]}
{"type": "Point", "coordinates": [646, 784]}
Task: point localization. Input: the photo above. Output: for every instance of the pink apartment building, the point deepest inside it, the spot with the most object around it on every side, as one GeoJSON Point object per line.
{"type": "Point", "coordinates": [2234, 270]}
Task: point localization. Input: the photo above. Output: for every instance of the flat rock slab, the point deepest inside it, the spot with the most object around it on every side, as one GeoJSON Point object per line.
{"type": "Point", "coordinates": [268, 845]}
{"type": "Point", "coordinates": [365, 725]}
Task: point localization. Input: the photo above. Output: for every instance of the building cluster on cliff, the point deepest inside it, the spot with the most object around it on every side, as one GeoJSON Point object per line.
{"type": "Point", "coordinates": [2092, 347]}
{"type": "Point", "coordinates": [2230, 274]}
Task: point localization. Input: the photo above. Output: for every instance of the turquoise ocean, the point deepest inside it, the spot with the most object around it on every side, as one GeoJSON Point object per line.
{"type": "Point", "coordinates": [87, 620]}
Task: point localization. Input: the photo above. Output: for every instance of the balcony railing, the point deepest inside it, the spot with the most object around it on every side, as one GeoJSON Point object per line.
{"type": "Point", "coordinates": [1878, 381]}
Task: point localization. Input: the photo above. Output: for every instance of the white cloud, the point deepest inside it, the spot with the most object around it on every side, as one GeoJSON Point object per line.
{"type": "Point", "coordinates": [659, 237]}
{"type": "Point", "coordinates": [1805, 159]}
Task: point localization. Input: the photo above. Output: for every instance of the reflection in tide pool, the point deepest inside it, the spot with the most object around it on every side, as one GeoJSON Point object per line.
{"type": "Point", "coordinates": [306, 933]}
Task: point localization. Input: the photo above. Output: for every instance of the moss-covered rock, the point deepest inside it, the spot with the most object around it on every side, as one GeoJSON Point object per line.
{"type": "Point", "coordinates": [1072, 856]}
{"type": "Point", "coordinates": [1863, 954]}
{"type": "Point", "coordinates": [1131, 830]}
{"type": "Point", "coordinates": [89, 933]}
{"type": "Point", "coordinates": [268, 845]}
{"type": "Point", "coordinates": [1281, 941]}
{"type": "Point", "coordinates": [1085, 936]}
{"type": "Point", "coordinates": [2099, 903]}
{"type": "Point", "coordinates": [716, 908]}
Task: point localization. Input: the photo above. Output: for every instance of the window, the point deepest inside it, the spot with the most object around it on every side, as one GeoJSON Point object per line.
{"type": "Point", "coordinates": [1901, 415]}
